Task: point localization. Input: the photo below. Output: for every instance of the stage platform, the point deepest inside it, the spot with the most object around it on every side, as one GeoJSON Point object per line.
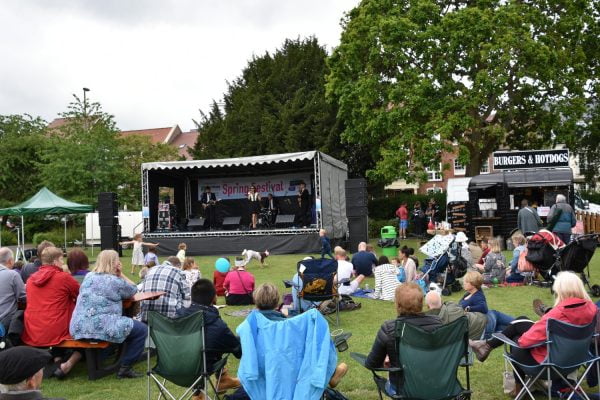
{"type": "Point", "coordinates": [232, 242]}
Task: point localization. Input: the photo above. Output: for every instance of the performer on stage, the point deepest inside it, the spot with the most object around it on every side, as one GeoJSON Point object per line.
{"type": "Point", "coordinates": [254, 201]}
{"type": "Point", "coordinates": [209, 206]}
{"type": "Point", "coordinates": [272, 206]}
{"type": "Point", "coordinates": [303, 216]}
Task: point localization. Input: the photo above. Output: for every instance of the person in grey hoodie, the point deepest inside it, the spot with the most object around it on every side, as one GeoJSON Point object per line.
{"type": "Point", "coordinates": [565, 218]}
{"type": "Point", "coordinates": [528, 219]}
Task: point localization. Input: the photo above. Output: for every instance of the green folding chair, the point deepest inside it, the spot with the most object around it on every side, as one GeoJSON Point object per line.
{"type": "Point", "coordinates": [180, 356]}
{"type": "Point", "coordinates": [429, 362]}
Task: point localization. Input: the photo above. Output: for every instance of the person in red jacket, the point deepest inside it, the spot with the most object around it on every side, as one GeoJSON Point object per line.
{"type": "Point", "coordinates": [572, 305]}
{"type": "Point", "coordinates": [51, 297]}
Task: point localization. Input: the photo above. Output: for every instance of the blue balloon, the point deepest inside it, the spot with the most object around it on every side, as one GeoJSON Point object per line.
{"type": "Point", "coordinates": [222, 265]}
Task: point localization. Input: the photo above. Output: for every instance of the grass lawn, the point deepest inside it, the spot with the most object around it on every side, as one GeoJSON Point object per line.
{"type": "Point", "coordinates": [486, 379]}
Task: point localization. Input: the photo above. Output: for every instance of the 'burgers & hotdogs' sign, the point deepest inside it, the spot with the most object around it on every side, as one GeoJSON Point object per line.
{"type": "Point", "coordinates": [531, 159]}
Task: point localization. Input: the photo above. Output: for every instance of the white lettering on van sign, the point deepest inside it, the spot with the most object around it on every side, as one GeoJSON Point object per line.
{"type": "Point", "coordinates": [531, 159]}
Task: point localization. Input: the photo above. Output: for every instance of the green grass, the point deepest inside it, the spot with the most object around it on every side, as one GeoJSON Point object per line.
{"type": "Point", "coordinates": [486, 379]}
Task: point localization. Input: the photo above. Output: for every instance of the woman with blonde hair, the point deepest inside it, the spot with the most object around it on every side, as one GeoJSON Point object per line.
{"type": "Point", "coordinates": [572, 305]}
{"type": "Point", "coordinates": [494, 266]}
{"type": "Point", "coordinates": [98, 314]}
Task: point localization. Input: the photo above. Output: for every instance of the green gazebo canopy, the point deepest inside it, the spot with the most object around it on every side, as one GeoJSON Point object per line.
{"type": "Point", "coordinates": [46, 202]}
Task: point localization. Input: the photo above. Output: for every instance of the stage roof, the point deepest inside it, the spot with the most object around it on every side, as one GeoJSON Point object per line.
{"type": "Point", "coordinates": [243, 161]}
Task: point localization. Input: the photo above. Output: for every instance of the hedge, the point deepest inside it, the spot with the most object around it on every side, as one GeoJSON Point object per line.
{"type": "Point", "coordinates": [385, 208]}
{"type": "Point", "coordinates": [8, 238]}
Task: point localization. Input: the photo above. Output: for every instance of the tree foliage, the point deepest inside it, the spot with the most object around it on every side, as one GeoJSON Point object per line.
{"type": "Point", "coordinates": [277, 105]}
{"type": "Point", "coordinates": [87, 155]}
{"type": "Point", "coordinates": [135, 150]}
{"type": "Point", "coordinates": [21, 139]}
{"type": "Point", "coordinates": [412, 77]}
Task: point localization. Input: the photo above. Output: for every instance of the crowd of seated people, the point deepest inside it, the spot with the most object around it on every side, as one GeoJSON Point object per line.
{"type": "Point", "coordinates": [59, 308]}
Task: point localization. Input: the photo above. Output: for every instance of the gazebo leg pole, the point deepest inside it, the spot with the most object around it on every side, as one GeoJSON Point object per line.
{"type": "Point", "coordinates": [65, 232]}
{"type": "Point", "coordinates": [23, 236]}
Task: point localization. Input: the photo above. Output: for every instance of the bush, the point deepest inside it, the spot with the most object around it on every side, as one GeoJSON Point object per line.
{"type": "Point", "coordinates": [385, 207]}
{"type": "Point", "coordinates": [55, 237]}
{"type": "Point", "coordinates": [8, 238]}
{"type": "Point", "coordinates": [591, 196]}
{"type": "Point", "coordinates": [375, 226]}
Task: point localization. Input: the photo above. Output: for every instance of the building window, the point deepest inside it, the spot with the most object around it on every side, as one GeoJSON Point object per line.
{"type": "Point", "coordinates": [434, 190]}
{"type": "Point", "coordinates": [485, 167]}
{"type": "Point", "coordinates": [459, 169]}
{"type": "Point", "coordinates": [434, 175]}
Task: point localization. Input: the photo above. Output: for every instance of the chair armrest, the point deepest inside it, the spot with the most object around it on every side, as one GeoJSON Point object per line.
{"type": "Point", "coordinates": [362, 359]}
{"type": "Point", "coordinates": [503, 338]}
{"type": "Point", "coordinates": [288, 283]}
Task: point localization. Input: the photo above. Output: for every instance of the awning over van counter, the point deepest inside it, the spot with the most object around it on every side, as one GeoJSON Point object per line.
{"type": "Point", "coordinates": [524, 178]}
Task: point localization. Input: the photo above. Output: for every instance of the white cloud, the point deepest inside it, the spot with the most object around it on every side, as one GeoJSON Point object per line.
{"type": "Point", "coordinates": [151, 63]}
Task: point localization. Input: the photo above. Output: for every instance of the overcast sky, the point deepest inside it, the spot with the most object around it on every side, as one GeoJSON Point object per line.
{"type": "Point", "coordinates": [151, 63]}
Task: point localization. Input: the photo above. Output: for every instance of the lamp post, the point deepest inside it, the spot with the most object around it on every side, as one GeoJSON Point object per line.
{"type": "Point", "coordinates": [85, 90]}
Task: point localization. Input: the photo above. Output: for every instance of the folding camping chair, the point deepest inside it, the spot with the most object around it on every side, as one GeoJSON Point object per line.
{"type": "Point", "coordinates": [315, 283]}
{"type": "Point", "coordinates": [568, 348]}
{"type": "Point", "coordinates": [180, 355]}
{"type": "Point", "coordinates": [427, 357]}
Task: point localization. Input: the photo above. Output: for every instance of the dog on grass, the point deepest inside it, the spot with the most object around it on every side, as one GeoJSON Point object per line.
{"type": "Point", "coordinates": [250, 254]}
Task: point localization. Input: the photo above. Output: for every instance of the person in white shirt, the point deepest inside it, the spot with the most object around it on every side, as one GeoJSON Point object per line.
{"type": "Point", "coordinates": [346, 271]}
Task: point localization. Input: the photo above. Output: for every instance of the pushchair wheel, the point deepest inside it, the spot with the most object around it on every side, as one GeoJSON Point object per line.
{"type": "Point", "coordinates": [446, 291]}
{"type": "Point", "coordinates": [596, 291]}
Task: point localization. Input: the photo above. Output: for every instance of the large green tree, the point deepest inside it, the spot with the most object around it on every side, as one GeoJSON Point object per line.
{"type": "Point", "coordinates": [86, 155]}
{"type": "Point", "coordinates": [22, 141]}
{"type": "Point", "coordinates": [277, 105]}
{"type": "Point", "coordinates": [414, 77]}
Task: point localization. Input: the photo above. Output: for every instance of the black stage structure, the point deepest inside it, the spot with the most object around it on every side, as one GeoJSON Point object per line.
{"type": "Point", "coordinates": [324, 177]}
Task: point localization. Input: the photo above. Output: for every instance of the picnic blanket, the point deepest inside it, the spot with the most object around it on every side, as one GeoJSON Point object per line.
{"type": "Point", "coordinates": [240, 313]}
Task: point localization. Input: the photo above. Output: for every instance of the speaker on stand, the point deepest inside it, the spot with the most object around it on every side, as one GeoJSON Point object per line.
{"type": "Point", "coordinates": [357, 212]}
{"type": "Point", "coordinates": [108, 217]}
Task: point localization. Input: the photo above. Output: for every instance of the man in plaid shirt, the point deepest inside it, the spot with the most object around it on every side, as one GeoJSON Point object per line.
{"type": "Point", "coordinates": [165, 278]}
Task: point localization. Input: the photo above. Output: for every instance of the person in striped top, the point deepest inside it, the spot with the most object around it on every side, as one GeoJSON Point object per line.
{"type": "Point", "coordinates": [386, 279]}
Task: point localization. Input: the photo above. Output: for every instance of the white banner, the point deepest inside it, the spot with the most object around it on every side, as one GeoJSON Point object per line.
{"type": "Point", "coordinates": [238, 188]}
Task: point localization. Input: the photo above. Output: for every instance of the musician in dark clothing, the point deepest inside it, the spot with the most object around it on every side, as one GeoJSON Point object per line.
{"type": "Point", "coordinates": [209, 207]}
{"type": "Point", "coordinates": [272, 206]}
{"type": "Point", "coordinates": [303, 216]}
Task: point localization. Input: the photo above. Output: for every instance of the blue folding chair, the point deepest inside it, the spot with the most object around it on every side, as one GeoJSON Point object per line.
{"type": "Point", "coordinates": [568, 349]}
{"type": "Point", "coordinates": [315, 283]}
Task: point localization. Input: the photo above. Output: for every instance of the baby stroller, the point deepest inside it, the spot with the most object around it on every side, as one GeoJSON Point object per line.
{"type": "Point", "coordinates": [446, 268]}
{"type": "Point", "coordinates": [576, 257]}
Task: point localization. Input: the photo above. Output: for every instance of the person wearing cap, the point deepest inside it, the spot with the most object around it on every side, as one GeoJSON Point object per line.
{"type": "Point", "coordinates": [21, 373]}
{"type": "Point", "coordinates": [462, 240]}
{"type": "Point", "coordinates": [239, 285]}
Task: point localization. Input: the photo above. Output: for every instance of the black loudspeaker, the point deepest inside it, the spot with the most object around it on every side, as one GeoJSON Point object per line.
{"type": "Point", "coordinates": [108, 209]}
{"type": "Point", "coordinates": [356, 183]}
{"type": "Point", "coordinates": [356, 198]}
{"type": "Point", "coordinates": [109, 237]}
{"type": "Point", "coordinates": [358, 229]}
{"type": "Point", "coordinates": [360, 211]}
{"type": "Point", "coordinates": [285, 220]}
{"type": "Point", "coordinates": [231, 222]}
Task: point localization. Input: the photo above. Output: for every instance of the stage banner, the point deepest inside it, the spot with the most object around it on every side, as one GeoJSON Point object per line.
{"type": "Point", "coordinates": [238, 188]}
